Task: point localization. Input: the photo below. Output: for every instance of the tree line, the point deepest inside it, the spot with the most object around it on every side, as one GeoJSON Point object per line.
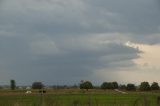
{"type": "Point", "coordinates": [144, 86]}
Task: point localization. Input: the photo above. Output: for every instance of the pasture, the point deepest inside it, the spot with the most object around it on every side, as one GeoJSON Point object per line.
{"type": "Point", "coordinates": [76, 97]}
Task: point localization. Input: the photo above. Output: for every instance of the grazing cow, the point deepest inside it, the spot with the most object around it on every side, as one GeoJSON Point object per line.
{"type": "Point", "coordinates": [42, 91]}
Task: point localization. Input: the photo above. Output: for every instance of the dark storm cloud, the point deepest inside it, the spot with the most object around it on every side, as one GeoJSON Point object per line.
{"type": "Point", "coordinates": [77, 63]}
{"type": "Point", "coordinates": [70, 63]}
{"type": "Point", "coordinates": [141, 18]}
{"type": "Point", "coordinates": [91, 16]}
{"type": "Point", "coordinates": [58, 38]}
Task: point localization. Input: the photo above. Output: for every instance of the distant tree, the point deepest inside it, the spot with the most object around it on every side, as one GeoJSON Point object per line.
{"type": "Point", "coordinates": [122, 87]}
{"type": "Point", "coordinates": [37, 85]}
{"type": "Point", "coordinates": [12, 84]}
{"type": "Point", "coordinates": [109, 85]}
{"type": "Point", "coordinates": [144, 86]}
{"type": "Point", "coordinates": [130, 87]}
{"type": "Point", "coordinates": [154, 86]}
{"type": "Point", "coordinates": [115, 85]}
{"type": "Point", "coordinates": [104, 85]}
{"type": "Point", "coordinates": [86, 85]}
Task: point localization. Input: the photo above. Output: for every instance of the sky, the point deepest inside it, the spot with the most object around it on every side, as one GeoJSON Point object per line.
{"type": "Point", "coordinates": [66, 41]}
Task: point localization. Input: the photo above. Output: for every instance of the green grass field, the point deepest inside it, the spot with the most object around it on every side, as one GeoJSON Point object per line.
{"type": "Point", "coordinates": [77, 98]}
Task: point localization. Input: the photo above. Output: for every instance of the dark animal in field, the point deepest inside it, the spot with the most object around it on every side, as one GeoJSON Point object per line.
{"type": "Point", "coordinates": [42, 91]}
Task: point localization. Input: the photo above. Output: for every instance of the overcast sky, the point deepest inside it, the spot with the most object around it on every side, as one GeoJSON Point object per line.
{"type": "Point", "coordinates": [65, 41]}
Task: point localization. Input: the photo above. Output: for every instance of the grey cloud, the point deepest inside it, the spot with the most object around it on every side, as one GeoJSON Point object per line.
{"type": "Point", "coordinates": [74, 62]}
{"type": "Point", "coordinates": [87, 16]}
{"type": "Point", "coordinates": [56, 18]}
{"type": "Point", "coordinates": [73, 39]}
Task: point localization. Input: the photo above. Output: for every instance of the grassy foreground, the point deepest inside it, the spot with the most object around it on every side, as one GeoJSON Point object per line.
{"type": "Point", "coordinates": [78, 98]}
